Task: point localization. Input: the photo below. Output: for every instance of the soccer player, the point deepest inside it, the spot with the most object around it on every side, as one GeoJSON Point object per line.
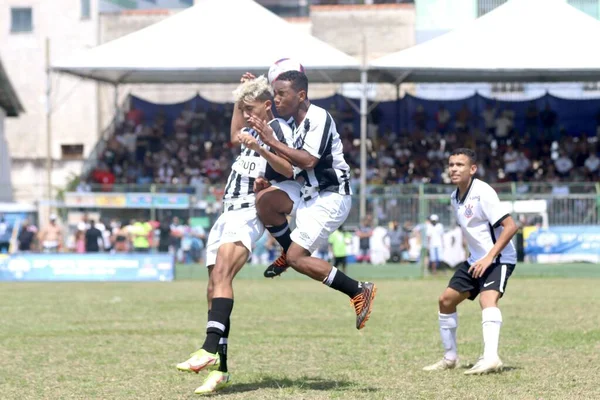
{"type": "Point", "coordinates": [435, 241]}
{"type": "Point", "coordinates": [326, 196]}
{"type": "Point", "coordinates": [233, 235]}
{"type": "Point", "coordinates": [488, 231]}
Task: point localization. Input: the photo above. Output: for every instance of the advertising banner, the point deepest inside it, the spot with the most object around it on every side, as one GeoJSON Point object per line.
{"type": "Point", "coordinates": [87, 267]}
{"type": "Point", "coordinates": [564, 243]}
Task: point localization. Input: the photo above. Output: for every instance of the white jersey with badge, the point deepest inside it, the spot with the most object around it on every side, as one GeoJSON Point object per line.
{"type": "Point", "coordinates": [317, 134]}
{"type": "Point", "coordinates": [479, 214]}
{"type": "Point", "coordinates": [249, 165]}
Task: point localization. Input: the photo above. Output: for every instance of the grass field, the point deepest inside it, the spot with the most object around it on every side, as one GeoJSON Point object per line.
{"type": "Point", "coordinates": [292, 338]}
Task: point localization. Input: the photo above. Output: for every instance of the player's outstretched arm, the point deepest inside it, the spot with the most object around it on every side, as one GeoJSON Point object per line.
{"type": "Point", "coordinates": [300, 158]}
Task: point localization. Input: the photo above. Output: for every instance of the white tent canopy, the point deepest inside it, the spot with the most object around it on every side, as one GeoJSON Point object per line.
{"type": "Point", "coordinates": [214, 41]}
{"type": "Point", "coordinates": [522, 40]}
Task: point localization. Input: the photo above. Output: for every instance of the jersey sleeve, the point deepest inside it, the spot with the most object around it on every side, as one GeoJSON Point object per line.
{"type": "Point", "coordinates": [317, 135]}
{"type": "Point", "coordinates": [493, 211]}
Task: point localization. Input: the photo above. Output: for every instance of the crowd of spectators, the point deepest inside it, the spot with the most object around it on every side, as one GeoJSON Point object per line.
{"type": "Point", "coordinates": [194, 150]}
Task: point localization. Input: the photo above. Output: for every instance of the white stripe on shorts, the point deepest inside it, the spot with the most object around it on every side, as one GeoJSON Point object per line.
{"type": "Point", "coordinates": [502, 277]}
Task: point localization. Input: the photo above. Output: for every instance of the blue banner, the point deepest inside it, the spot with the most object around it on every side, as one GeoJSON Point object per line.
{"type": "Point", "coordinates": [574, 243]}
{"type": "Point", "coordinates": [87, 267]}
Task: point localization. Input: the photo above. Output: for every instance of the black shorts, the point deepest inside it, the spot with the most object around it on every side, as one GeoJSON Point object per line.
{"type": "Point", "coordinates": [339, 262]}
{"type": "Point", "coordinates": [494, 278]}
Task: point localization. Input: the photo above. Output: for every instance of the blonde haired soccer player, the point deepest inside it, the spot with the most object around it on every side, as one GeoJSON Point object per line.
{"type": "Point", "coordinates": [488, 231]}
{"type": "Point", "coordinates": [235, 232]}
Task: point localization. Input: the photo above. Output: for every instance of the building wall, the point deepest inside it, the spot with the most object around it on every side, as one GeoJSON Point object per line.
{"type": "Point", "coordinates": [388, 27]}
{"type": "Point", "coordinates": [73, 101]}
{"type": "Point", "coordinates": [5, 181]}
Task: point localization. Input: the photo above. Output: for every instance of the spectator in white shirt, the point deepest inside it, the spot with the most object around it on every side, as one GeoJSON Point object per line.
{"type": "Point", "coordinates": [591, 166]}
{"type": "Point", "coordinates": [563, 165]}
{"type": "Point", "coordinates": [511, 163]}
{"type": "Point", "coordinates": [489, 119]}
{"type": "Point", "coordinates": [504, 125]}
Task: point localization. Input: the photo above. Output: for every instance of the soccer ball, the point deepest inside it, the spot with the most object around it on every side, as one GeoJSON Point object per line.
{"type": "Point", "coordinates": [283, 65]}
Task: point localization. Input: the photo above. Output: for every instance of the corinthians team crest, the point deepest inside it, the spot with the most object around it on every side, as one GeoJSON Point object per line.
{"type": "Point", "coordinates": [469, 211]}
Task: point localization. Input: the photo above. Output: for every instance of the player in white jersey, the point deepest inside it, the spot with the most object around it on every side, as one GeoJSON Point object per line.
{"type": "Point", "coordinates": [326, 196]}
{"type": "Point", "coordinates": [488, 231]}
{"type": "Point", "coordinates": [234, 233]}
{"type": "Point", "coordinates": [435, 242]}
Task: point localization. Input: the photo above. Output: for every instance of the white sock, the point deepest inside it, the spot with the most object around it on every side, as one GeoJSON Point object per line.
{"type": "Point", "coordinates": [448, 325]}
{"type": "Point", "coordinates": [491, 322]}
{"type": "Point", "coordinates": [329, 280]}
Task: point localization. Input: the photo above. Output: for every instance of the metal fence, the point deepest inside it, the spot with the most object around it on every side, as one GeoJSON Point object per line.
{"type": "Point", "coordinates": [567, 204]}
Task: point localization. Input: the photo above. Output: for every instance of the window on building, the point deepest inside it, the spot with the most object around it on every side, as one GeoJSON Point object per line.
{"type": "Point", "coordinates": [86, 9]}
{"type": "Point", "coordinates": [71, 151]}
{"type": "Point", "coordinates": [508, 87]}
{"type": "Point", "coordinates": [591, 86]}
{"type": "Point", "coordinates": [21, 20]}
{"type": "Point", "coordinates": [485, 6]}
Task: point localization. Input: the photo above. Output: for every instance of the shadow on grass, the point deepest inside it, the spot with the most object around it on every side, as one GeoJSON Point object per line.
{"type": "Point", "coordinates": [304, 383]}
{"type": "Point", "coordinates": [506, 368]}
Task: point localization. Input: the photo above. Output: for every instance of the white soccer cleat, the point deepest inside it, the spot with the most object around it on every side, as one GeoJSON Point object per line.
{"type": "Point", "coordinates": [484, 366]}
{"type": "Point", "coordinates": [442, 365]}
{"type": "Point", "coordinates": [198, 361]}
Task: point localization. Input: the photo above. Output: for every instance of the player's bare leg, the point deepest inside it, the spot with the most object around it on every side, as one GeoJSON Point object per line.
{"type": "Point", "coordinates": [361, 294]}
{"type": "Point", "coordinates": [448, 320]}
{"type": "Point", "coordinates": [231, 257]}
{"type": "Point", "coordinates": [491, 323]}
{"type": "Point", "coordinates": [273, 206]}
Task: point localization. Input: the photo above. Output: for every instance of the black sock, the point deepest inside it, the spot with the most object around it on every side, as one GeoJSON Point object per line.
{"type": "Point", "coordinates": [339, 281]}
{"type": "Point", "coordinates": [217, 319]}
{"type": "Point", "coordinates": [281, 233]}
{"type": "Point", "coordinates": [222, 348]}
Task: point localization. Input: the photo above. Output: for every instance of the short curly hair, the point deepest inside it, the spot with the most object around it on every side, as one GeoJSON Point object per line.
{"type": "Point", "coordinates": [257, 89]}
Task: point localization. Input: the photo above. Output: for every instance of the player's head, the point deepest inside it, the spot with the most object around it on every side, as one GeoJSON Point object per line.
{"type": "Point", "coordinates": [462, 165]}
{"type": "Point", "coordinates": [291, 90]}
{"type": "Point", "coordinates": [254, 97]}
{"type": "Point", "coordinates": [434, 219]}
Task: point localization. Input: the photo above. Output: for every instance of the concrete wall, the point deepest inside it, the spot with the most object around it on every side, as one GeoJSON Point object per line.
{"type": "Point", "coordinates": [74, 117]}
{"type": "Point", "coordinates": [388, 27]}
{"type": "Point", "coordinates": [6, 193]}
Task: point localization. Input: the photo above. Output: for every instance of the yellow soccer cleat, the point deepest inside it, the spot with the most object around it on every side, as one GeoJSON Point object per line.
{"type": "Point", "coordinates": [214, 382]}
{"type": "Point", "coordinates": [442, 365]}
{"type": "Point", "coordinates": [198, 361]}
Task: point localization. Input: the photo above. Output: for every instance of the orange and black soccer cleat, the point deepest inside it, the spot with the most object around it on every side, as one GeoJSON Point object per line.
{"type": "Point", "coordinates": [277, 268]}
{"type": "Point", "coordinates": [363, 303]}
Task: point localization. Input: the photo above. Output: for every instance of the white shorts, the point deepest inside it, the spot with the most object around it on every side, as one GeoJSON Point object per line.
{"type": "Point", "coordinates": [318, 218]}
{"type": "Point", "coordinates": [240, 225]}
{"type": "Point", "coordinates": [293, 190]}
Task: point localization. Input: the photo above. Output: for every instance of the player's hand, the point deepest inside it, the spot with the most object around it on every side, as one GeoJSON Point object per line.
{"type": "Point", "coordinates": [260, 184]}
{"type": "Point", "coordinates": [248, 76]}
{"type": "Point", "coordinates": [478, 268]}
{"type": "Point", "coordinates": [249, 141]}
{"type": "Point", "coordinates": [264, 130]}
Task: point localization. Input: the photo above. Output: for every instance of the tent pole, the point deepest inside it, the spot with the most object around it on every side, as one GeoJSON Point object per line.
{"type": "Point", "coordinates": [116, 103]}
{"type": "Point", "coordinates": [363, 131]}
{"type": "Point", "coordinates": [48, 122]}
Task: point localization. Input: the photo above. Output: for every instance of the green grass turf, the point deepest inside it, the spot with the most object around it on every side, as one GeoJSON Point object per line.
{"type": "Point", "coordinates": [293, 338]}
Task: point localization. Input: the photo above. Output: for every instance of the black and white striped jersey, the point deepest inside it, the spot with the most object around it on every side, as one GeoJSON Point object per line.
{"type": "Point", "coordinates": [317, 134]}
{"type": "Point", "coordinates": [249, 165]}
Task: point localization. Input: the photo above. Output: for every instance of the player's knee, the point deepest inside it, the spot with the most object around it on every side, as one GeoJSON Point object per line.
{"type": "Point", "coordinates": [293, 258]}
{"type": "Point", "coordinates": [223, 270]}
{"type": "Point", "coordinates": [446, 302]}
